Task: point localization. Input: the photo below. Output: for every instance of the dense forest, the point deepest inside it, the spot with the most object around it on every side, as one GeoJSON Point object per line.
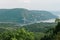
{"type": "Point", "coordinates": [21, 15]}
{"type": "Point", "coordinates": [37, 31]}
{"type": "Point", "coordinates": [54, 34]}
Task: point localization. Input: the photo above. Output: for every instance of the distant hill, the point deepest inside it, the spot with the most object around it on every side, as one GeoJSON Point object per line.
{"type": "Point", "coordinates": [56, 13]}
{"type": "Point", "coordinates": [21, 15]}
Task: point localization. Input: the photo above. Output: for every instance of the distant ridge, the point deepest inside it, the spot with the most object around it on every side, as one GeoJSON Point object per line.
{"type": "Point", "coordinates": [21, 15]}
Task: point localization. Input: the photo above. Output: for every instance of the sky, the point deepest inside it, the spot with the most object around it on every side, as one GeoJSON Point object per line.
{"type": "Point", "coordinates": [31, 4]}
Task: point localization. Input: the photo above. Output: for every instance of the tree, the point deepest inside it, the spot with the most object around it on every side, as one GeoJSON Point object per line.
{"type": "Point", "coordinates": [19, 34]}
{"type": "Point", "coordinates": [57, 20]}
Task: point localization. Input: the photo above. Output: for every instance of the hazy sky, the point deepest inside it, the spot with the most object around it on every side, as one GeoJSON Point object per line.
{"type": "Point", "coordinates": [31, 4]}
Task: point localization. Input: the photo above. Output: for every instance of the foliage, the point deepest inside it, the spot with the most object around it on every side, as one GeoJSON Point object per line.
{"type": "Point", "coordinates": [38, 27]}
{"type": "Point", "coordinates": [20, 34]}
{"type": "Point", "coordinates": [57, 20]}
{"type": "Point", "coordinates": [37, 31]}
{"type": "Point", "coordinates": [54, 34]}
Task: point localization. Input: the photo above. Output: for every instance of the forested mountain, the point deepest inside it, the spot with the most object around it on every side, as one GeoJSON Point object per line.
{"type": "Point", "coordinates": [21, 15]}
{"type": "Point", "coordinates": [35, 31]}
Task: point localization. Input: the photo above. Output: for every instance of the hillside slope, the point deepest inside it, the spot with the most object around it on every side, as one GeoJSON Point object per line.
{"type": "Point", "coordinates": [21, 15]}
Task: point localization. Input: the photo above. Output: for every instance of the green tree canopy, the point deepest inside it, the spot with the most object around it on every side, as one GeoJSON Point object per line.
{"type": "Point", "coordinates": [20, 34]}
